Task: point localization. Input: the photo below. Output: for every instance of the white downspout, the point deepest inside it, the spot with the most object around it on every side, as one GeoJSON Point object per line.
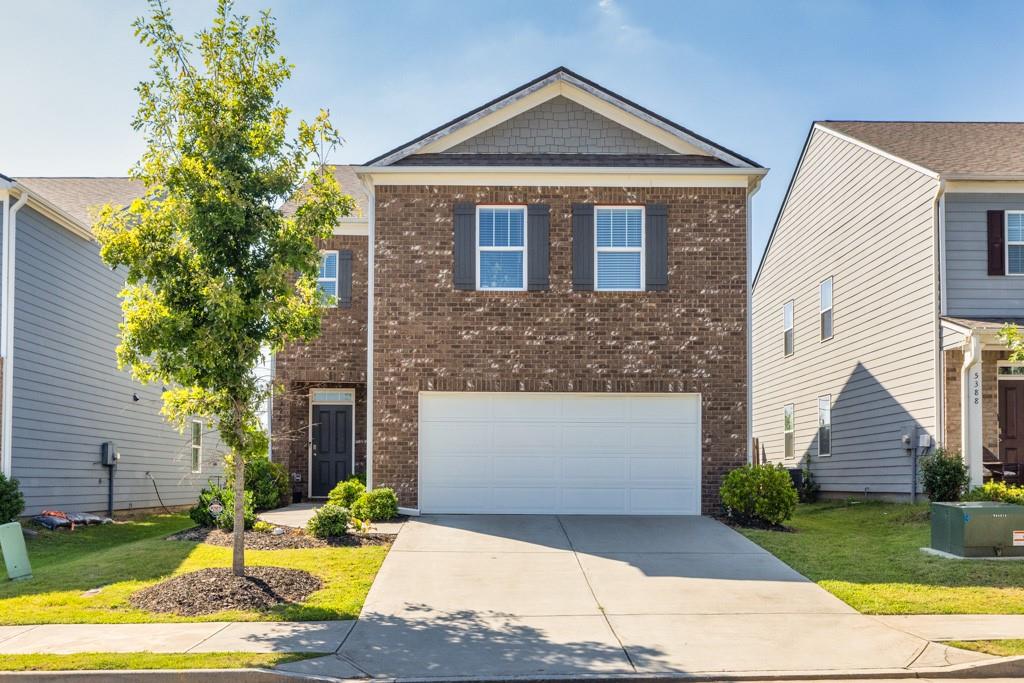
{"type": "Point", "coordinates": [939, 284]}
{"type": "Point", "coordinates": [751, 191]}
{"type": "Point", "coordinates": [970, 408]}
{"type": "Point", "coordinates": [371, 215]}
{"type": "Point", "coordinates": [7, 334]}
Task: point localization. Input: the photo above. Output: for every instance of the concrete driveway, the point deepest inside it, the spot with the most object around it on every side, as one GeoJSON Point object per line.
{"type": "Point", "coordinates": [544, 595]}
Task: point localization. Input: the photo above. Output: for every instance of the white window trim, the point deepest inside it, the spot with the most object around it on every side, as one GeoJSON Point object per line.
{"type": "Point", "coordinates": [792, 326]}
{"type": "Point", "coordinates": [1008, 243]}
{"type": "Point", "coordinates": [642, 249]}
{"type": "Point", "coordinates": [196, 463]}
{"type": "Point", "coordinates": [309, 423]}
{"type": "Point", "coordinates": [1008, 364]}
{"type": "Point", "coordinates": [526, 234]}
{"type": "Point", "coordinates": [337, 265]}
{"type": "Point", "coordinates": [827, 397]}
{"type": "Point", "coordinates": [791, 430]}
{"type": "Point", "coordinates": [831, 307]}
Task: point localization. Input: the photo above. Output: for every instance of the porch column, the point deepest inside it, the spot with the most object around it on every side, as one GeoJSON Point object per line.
{"type": "Point", "coordinates": [971, 409]}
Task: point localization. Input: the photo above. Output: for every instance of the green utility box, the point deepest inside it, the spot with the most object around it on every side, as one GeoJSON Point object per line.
{"type": "Point", "coordinates": [978, 529]}
{"type": "Point", "coordinates": [12, 546]}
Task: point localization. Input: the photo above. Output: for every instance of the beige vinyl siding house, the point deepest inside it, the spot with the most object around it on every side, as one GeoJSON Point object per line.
{"type": "Point", "coordinates": [920, 225]}
{"type": "Point", "coordinates": [865, 221]}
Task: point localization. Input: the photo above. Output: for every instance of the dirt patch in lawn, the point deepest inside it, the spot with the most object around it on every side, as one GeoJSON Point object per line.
{"type": "Point", "coordinates": [214, 590]}
{"type": "Point", "coordinates": [753, 524]}
{"type": "Point", "coordinates": [291, 539]}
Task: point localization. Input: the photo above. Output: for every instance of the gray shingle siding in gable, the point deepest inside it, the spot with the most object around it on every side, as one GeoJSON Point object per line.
{"type": "Point", "coordinates": [970, 290]}
{"type": "Point", "coordinates": [559, 126]}
{"type": "Point", "coordinates": [69, 396]}
{"type": "Point", "coordinates": [847, 207]}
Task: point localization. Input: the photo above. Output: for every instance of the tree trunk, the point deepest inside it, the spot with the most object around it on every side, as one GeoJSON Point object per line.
{"type": "Point", "coordinates": [238, 556]}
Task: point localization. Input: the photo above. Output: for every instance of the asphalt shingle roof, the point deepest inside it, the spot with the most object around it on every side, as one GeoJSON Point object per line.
{"type": "Point", "coordinates": [350, 185]}
{"type": "Point", "coordinates": [950, 148]}
{"type": "Point", "coordinates": [77, 197]}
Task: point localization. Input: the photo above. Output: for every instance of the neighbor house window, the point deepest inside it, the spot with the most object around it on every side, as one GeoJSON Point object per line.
{"type": "Point", "coordinates": [619, 252]}
{"type": "Point", "coordinates": [825, 296]}
{"type": "Point", "coordinates": [825, 425]}
{"type": "Point", "coordinates": [197, 446]}
{"type": "Point", "coordinates": [501, 247]}
{"type": "Point", "coordinates": [788, 428]}
{"type": "Point", "coordinates": [1015, 242]}
{"type": "Point", "coordinates": [787, 328]}
{"type": "Point", "coordinates": [327, 280]}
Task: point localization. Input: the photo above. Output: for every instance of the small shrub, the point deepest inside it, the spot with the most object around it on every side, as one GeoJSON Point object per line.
{"type": "Point", "coordinates": [200, 514]}
{"type": "Point", "coordinates": [329, 520]}
{"type": "Point", "coordinates": [347, 492]}
{"type": "Point", "coordinates": [262, 527]}
{"type": "Point", "coordinates": [267, 480]}
{"type": "Point", "coordinates": [808, 489]}
{"type": "Point", "coordinates": [12, 503]}
{"type": "Point", "coordinates": [755, 494]}
{"type": "Point", "coordinates": [376, 505]}
{"type": "Point", "coordinates": [944, 476]}
{"type": "Point", "coordinates": [997, 491]}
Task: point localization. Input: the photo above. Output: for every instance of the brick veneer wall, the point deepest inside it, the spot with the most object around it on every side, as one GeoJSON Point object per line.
{"type": "Point", "coordinates": [428, 336]}
{"type": "Point", "coordinates": [336, 359]}
{"type": "Point", "coordinates": [954, 360]}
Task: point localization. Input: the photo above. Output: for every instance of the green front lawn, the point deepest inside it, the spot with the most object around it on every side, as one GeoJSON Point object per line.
{"type": "Point", "coordinates": [999, 648]}
{"type": "Point", "coordinates": [868, 555]}
{"type": "Point", "coordinates": [120, 559]}
{"type": "Point", "coordinates": [91, 661]}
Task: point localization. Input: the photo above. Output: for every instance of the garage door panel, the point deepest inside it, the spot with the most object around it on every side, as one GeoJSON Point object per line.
{"type": "Point", "coordinates": [560, 453]}
{"type": "Point", "coordinates": [521, 435]}
{"type": "Point", "coordinates": [594, 468]}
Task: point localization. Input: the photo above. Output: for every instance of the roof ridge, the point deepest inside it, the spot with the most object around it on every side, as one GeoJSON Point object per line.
{"type": "Point", "coordinates": [1011, 123]}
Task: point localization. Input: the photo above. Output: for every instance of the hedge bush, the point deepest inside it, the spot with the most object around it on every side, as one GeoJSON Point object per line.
{"type": "Point", "coordinates": [347, 492]}
{"type": "Point", "coordinates": [376, 505]}
{"type": "Point", "coordinates": [329, 520]}
{"type": "Point", "coordinates": [268, 482]}
{"type": "Point", "coordinates": [997, 491]}
{"type": "Point", "coordinates": [200, 514]}
{"type": "Point", "coordinates": [944, 476]}
{"type": "Point", "coordinates": [12, 503]}
{"type": "Point", "coordinates": [755, 494]}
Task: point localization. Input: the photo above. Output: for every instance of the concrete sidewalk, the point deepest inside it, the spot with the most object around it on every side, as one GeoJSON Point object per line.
{"type": "Point", "coordinates": [214, 636]}
{"type": "Point", "coordinates": [959, 626]}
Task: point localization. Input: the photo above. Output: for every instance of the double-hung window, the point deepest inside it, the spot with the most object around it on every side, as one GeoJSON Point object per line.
{"type": "Point", "coordinates": [825, 308]}
{"type": "Point", "coordinates": [788, 429]}
{"type": "Point", "coordinates": [825, 425]}
{"type": "Point", "coordinates": [619, 248]}
{"type": "Point", "coordinates": [327, 280]}
{"type": "Point", "coordinates": [787, 328]}
{"type": "Point", "coordinates": [501, 248]}
{"type": "Point", "coordinates": [1015, 242]}
{"type": "Point", "coordinates": [197, 446]}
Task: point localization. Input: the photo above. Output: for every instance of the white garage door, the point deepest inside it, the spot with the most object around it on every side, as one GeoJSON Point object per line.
{"type": "Point", "coordinates": [560, 453]}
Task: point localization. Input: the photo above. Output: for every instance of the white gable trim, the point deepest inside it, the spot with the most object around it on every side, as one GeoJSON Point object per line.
{"type": "Point", "coordinates": [876, 150]}
{"type": "Point", "coordinates": [582, 93]}
{"type": "Point", "coordinates": [561, 176]}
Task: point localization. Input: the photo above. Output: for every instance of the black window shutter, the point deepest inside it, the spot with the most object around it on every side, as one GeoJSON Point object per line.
{"type": "Point", "coordinates": [583, 247]}
{"type": "Point", "coordinates": [345, 279]}
{"type": "Point", "coordinates": [996, 243]}
{"type": "Point", "coordinates": [656, 246]}
{"type": "Point", "coordinates": [464, 247]}
{"type": "Point", "coordinates": [537, 246]}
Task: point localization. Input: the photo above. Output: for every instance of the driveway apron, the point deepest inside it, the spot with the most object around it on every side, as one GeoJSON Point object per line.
{"type": "Point", "coordinates": [476, 595]}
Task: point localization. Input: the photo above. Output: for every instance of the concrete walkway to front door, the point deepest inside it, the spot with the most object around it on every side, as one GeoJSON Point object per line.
{"type": "Point", "coordinates": [491, 596]}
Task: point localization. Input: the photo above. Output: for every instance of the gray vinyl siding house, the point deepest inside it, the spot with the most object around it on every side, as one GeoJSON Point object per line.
{"type": "Point", "coordinates": [897, 215]}
{"type": "Point", "coordinates": [67, 394]}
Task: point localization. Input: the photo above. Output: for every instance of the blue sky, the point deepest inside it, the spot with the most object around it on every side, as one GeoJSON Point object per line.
{"type": "Point", "coordinates": [750, 75]}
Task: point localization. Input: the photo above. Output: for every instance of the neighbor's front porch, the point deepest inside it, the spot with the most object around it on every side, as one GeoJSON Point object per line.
{"type": "Point", "coordinates": [983, 399]}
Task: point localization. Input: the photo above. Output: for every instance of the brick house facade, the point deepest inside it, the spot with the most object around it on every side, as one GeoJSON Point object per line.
{"type": "Point", "coordinates": [429, 336]}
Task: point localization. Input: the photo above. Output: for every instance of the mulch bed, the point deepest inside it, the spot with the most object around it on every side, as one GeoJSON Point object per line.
{"type": "Point", "coordinates": [291, 539]}
{"type": "Point", "coordinates": [753, 524]}
{"type": "Point", "coordinates": [212, 590]}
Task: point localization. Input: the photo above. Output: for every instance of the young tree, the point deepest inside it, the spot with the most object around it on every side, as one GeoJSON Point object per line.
{"type": "Point", "coordinates": [1014, 340]}
{"type": "Point", "coordinates": [215, 273]}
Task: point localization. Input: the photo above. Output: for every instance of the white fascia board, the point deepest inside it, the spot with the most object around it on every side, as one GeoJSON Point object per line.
{"type": "Point", "coordinates": [881, 152]}
{"type": "Point", "coordinates": [352, 227]}
{"type": "Point", "coordinates": [999, 185]}
{"type": "Point", "coordinates": [560, 176]}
